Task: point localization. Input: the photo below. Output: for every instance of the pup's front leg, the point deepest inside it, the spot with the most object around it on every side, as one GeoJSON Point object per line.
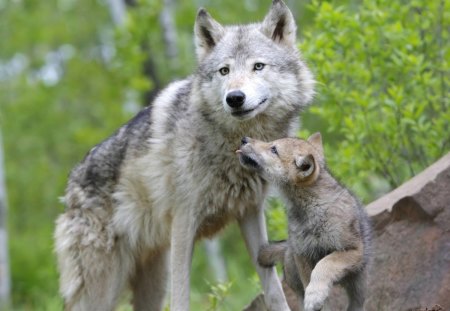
{"type": "Point", "coordinates": [181, 249]}
{"type": "Point", "coordinates": [329, 270]}
{"type": "Point", "coordinates": [253, 229]}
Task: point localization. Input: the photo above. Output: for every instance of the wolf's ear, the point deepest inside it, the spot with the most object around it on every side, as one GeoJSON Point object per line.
{"type": "Point", "coordinates": [305, 165]}
{"type": "Point", "coordinates": [316, 140]}
{"type": "Point", "coordinates": [279, 24]}
{"type": "Point", "coordinates": [207, 33]}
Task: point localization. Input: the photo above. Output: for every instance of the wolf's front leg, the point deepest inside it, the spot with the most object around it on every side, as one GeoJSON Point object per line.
{"type": "Point", "coordinates": [181, 248]}
{"type": "Point", "coordinates": [253, 229]}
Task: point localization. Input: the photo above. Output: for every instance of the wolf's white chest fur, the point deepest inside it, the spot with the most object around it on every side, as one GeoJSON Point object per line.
{"type": "Point", "coordinates": [216, 186]}
{"type": "Point", "coordinates": [190, 169]}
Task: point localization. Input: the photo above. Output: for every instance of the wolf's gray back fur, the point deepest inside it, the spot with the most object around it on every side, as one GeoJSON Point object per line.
{"type": "Point", "coordinates": [169, 176]}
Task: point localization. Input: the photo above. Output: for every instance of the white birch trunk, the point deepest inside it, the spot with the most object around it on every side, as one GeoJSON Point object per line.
{"type": "Point", "coordinates": [216, 260]}
{"type": "Point", "coordinates": [5, 281]}
{"type": "Point", "coordinates": [118, 11]}
{"type": "Point", "coordinates": [169, 30]}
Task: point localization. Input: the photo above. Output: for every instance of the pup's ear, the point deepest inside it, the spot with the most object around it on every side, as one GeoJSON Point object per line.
{"type": "Point", "coordinates": [305, 165]}
{"type": "Point", "coordinates": [316, 140]}
{"type": "Point", "coordinates": [279, 24]}
{"type": "Point", "coordinates": [207, 33]}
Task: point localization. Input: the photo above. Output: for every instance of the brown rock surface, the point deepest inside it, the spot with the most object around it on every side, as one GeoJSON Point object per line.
{"type": "Point", "coordinates": [411, 246]}
{"type": "Point", "coordinates": [411, 267]}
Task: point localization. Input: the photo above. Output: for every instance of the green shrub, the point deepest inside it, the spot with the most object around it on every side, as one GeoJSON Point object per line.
{"type": "Point", "coordinates": [382, 71]}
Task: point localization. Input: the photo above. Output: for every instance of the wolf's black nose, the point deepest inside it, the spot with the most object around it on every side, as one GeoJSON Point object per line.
{"type": "Point", "coordinates": [235, 99]}
{"type": "Point", "coordinates": [244, 140]}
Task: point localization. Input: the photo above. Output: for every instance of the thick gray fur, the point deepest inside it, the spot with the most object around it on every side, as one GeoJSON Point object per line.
{"type": "Point", "coordinates": [139, 200]}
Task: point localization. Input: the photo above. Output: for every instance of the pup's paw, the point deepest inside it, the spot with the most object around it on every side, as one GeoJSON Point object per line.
{"type": "Point", "coordinates": [265, 264]}
{"type": "Point", "coordinates": [266, 256]}
{"type": "Point", "coordinates": [315, 296]}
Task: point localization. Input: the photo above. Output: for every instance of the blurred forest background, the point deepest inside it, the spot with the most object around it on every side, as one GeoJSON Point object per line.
{"type": "Point", "coordinates": [71, 72]}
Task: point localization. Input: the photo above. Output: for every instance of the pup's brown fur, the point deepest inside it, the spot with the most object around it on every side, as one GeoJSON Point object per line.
{"type": "Point", "coordinates": [329, 230]}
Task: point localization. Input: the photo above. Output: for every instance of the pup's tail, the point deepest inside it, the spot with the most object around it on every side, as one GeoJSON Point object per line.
{"type": "Point", "coordinates": [272, 253]}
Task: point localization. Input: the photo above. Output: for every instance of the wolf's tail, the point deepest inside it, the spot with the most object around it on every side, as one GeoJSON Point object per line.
{"type": "Point", "coordinates": [70, 269]}
{"type": "Point", "coordinates": [272, 253]}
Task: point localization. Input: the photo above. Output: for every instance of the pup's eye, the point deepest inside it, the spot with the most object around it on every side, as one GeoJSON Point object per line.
{"type": "Point", "coordinates": [258, 66]}
{"type": "Point", "coordinates": [274, 150]}
{"type": "Point", "coordinates": [224, 71]}
{"type": "Point", "coordinates": [305, 167]}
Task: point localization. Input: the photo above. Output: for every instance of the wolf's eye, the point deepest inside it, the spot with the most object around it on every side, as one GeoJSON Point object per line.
{"type": "Point", "coordinates": [224, 71]}
{"type": "Point", "coordinates": [274, 150]}
{"type": "Point", "coordinates": [259, 66]}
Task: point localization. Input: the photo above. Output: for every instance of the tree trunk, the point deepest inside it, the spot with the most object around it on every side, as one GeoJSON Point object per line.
{"type": "Point", "coordinates": [117, 8]}
{"type": "Point", "coordinates": [216, 260]}
{"type": "Point", "coordinates": [118, 12]}
{"type": "Point", "coordinates": [5, 282]}
{"type": "Point", "coordinates": [169, 30]}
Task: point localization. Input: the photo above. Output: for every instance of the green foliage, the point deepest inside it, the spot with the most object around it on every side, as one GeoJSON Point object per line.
{"type": "Point", "coordinates": [240, 271]}
{"type": "Point", "coordinates": [218, 294]}
{"type": "Point", "coordinates": [382, 106]}
{"type": "Point", "coordinates": [276, 220]}
{"type": "Point", "coordinates": [382, 68]}
{"type": "Point", "coordinates": [49, 123]}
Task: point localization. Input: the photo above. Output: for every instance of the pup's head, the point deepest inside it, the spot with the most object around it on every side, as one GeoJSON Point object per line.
{"type": "Point", "coordinates": [286, 160]}
{"type": "Point", "coordinates": [245, 70]}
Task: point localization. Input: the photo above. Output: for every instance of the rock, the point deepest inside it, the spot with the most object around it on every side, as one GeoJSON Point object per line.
{"type": "Point", "coordinates": [411, 246]}
{"type": "Point", "coordinates": [411, 266]}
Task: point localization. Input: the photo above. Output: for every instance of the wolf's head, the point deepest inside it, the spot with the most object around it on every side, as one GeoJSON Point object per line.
{"type": "Point", "coordinates": [291, 161]}
{"type": "Point", "coordinates": [252, 69]}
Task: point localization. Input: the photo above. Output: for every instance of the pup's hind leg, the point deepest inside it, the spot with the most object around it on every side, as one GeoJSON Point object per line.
{"type": "Point", "coordinates": [92, 268]}
{"type": "Point", "coordinates": [355, 285]}
{"type": "Point", "coordinates": [292, 277]}
{"type": "Point", "coordinates": [149, 282]}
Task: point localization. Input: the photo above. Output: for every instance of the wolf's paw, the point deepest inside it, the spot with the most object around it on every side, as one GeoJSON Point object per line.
{"type": "Point", "coordinates": [315, 295]}
{"type": "Point", "coordinates": [276, 302]}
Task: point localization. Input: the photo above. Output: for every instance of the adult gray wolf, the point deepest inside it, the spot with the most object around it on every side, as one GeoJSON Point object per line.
{"type": "Point", "coordinates": [329, 231]}
{"type": "Point", "coordinates": [139, 200]}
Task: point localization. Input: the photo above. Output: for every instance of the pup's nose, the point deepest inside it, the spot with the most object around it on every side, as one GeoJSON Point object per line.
{"type": "Point", "coordinates": [244, 140]}
{"type": "Point", "coordinates": [235, 99]}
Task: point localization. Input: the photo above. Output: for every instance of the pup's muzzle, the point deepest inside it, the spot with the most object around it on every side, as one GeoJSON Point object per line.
{"type": "Point", "coordinates": [246, 155]}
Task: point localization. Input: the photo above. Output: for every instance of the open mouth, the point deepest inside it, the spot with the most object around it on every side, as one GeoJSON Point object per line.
{"type": "Point", "coordinates": [248, 161]}
{"type": "Point", "coordinates": [240, 113]}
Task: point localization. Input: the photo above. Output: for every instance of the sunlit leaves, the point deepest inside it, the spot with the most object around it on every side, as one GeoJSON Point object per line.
{"type": "Point", "coordinates": [384, 87]}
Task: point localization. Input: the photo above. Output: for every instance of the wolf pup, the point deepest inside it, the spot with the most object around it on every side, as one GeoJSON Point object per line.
{"type": "Point", "coordinates": [328, 228]}
{"type": "Point", "coordinates": [140, 199]}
